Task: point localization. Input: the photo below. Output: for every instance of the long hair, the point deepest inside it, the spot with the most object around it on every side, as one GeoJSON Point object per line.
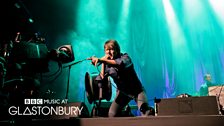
{"type": "Point", "coordinates": [114, 44]}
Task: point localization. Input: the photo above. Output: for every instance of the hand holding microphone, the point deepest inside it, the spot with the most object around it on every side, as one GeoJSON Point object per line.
{"type": "Point", "coordinates": [106, 57]}
{"type": "Point", "coordinates": [95, 60]}
{"type": "Point", "coordinates": [98, 61]}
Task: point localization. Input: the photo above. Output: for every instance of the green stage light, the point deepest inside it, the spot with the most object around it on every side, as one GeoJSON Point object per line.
{"type": "Point", "coordinates": [176, 33]}
{"type": "Point", "coordinates": [31, 20]}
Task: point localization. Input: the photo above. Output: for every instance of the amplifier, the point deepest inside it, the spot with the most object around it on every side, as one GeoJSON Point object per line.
{"type": "Point", "coordinates": [206, 105]}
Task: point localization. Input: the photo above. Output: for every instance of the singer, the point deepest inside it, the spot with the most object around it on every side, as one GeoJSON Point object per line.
{"type": "Point", "coordinates": [119, 66]}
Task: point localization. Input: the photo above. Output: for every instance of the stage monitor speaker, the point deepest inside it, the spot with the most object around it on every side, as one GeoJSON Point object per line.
{"type": "Point", "coordinates": [206, 105]}
{"type": "Point", "coordinates": [73, 110]}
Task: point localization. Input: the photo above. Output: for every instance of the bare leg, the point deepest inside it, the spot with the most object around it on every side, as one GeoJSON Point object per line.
{"type": "Point", "coordinates": [142, 98]}
{"type": "Point", "coordinates": [114, 107]}
{"type": "Point", "coordinates": [117, 105]}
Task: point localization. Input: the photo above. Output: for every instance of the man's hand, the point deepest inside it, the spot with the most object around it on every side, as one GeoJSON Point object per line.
{"type": "Point", "coordinates": [95, 60]}
{"type": "Point", "coordinates": [106, 57]}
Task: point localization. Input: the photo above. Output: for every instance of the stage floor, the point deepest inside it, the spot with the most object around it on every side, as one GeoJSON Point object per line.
{"type": "Point", "coordinates": [185, 120]}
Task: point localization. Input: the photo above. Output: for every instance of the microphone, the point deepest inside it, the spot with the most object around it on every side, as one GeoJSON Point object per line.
{"type": "Point", "coordinates": [63, 53]}
{"type": "Point", "coordinates": [90, 58]}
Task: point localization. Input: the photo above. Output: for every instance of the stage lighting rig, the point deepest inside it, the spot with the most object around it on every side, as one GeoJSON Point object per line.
{"type": "Point", "coordinates": [66, 53]}
{"type": "Point", "coordinates": [63, 54]}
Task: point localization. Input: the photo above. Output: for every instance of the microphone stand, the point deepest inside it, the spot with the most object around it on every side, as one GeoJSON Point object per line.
{"type": "Point", "coordinates": [68, 82]}
{"type": "Point", "coordinates": [156, 102]}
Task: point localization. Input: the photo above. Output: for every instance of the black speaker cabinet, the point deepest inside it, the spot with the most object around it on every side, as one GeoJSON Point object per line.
{"type": "Point", "coordinates": [206, 105]}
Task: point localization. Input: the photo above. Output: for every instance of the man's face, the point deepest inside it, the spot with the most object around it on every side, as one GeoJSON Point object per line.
{"type": "Point", "coordinates": [208, 78]}
{"type": "Point", "coordinates": [111, 52]}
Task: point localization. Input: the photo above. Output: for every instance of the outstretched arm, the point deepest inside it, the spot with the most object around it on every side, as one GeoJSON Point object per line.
{"type": "Point", "coordinates": [105, 59]}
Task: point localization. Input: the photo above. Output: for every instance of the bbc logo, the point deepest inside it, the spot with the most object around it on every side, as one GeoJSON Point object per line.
{"type": "Point", "coordinates": [33, 101]}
